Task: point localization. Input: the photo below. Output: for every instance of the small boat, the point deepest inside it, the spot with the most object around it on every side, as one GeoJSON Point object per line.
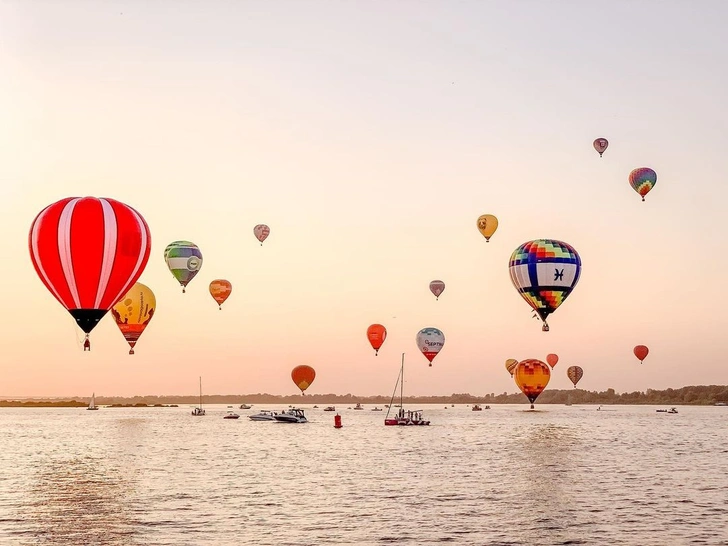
{"type": "Point", "coordinates": [231, 415]}
{"type": "Point", "coordinates": [376, 409]}
{"type": "Point", "coordinates": [487, 407]}
{"type": "Point", "coordinates": [294, 415]}
{"type": "Point", "coordinates": [402, 417]}
{"type": "Point", "coordinates": [198, 411]}
{"type": "Point", "coordinates": [245, 406]}
{"type": "Point", "coordinates": [263, 415]}
{"type": "Point", "coordinates": [92, 405]}
{"type": "Point", "coordinates": [476, 407]}
{"type": "Point", "coordinates": [315, 407]}
{"type": "Point", "coordinates": [671, 410]}
{"type": "Point", "coordinates": [358, 406]}
{"type": "Point", "coordinates": [330, 408]}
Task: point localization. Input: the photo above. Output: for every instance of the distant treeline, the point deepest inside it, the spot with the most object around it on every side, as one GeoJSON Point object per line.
{"type": "Point", "coordinates": [693, 395]}
{"type": "Point", "coordinates": [42, 404]}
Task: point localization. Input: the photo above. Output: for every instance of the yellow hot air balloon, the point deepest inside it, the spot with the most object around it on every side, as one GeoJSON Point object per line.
{"type": "Point", "coordinates": [487, 224]}
{"type": "Point", "coordinates": [220, 290]}
{"type": "Point", "coordinates": [133, 313]}
{"type": "Point", "coordinates": [511, 364]}
{"type": "Point", "coordinates": [532, 376]}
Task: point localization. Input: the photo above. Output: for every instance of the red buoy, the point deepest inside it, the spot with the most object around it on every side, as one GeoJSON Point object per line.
{"type": "Point", "coordinates": [337, 421]}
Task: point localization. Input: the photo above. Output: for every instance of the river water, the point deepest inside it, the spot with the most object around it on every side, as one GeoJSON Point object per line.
{"type": "Point", "coordinates": [559, 475]}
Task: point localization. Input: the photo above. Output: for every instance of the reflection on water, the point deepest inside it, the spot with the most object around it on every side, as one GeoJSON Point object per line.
{"type": "Point", "coordinates": [562, 475]}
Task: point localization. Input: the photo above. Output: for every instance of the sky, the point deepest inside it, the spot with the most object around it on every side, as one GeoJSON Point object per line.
{"type": "Point", "coordinates": [370, 136]}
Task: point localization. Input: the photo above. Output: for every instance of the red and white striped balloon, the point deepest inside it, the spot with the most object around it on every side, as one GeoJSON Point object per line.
{"type": "Point", "coordinates": [89, 252]}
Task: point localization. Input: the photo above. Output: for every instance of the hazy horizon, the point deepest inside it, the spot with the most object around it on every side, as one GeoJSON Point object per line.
{"type": "Point", "coordinates": [370, 137]}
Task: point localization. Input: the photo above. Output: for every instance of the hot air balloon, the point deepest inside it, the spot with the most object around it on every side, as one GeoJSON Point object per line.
{"type": "Point", "coordinates": [641, 352]}
{"type": "Point", "coordinates": [89, 252]}
{"type": "Point", "coordinates": [487, 224]}
{"type": "Point", "coordinates": [575, 373]}
{"type": "Point", "coordinates": [184, 260]}
{"type": "Point", "coordinates": [220, 290]}
{"type": "Point", "coordinates": [376, 334]}
{"type": "Point", "coordinates": [437, 288]}
{"type": "Point", "coordinates": [133, 313]}
{"type": "Point", "coordinates": [511, 364]}
{"type": "Point", "coordinates": [545, 272]}
{"type": "Point", "coordinates": [303, 376]}
{"type": "Point", "coordinates": [430, 341]}
{"type": "Point", "coordinates": [552, 359]}
{"type": "Point", "coordinates": [600, 145]}
{"type": "Point", "coordinates": [532, 376]}
{"type": "Point", "coordinates": [642, 180]}
{"type": "Point", "coordinates": [261, 232]}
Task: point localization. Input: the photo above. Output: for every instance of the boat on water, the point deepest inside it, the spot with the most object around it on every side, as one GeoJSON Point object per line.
{"type": "Point", "coordinates": [263, 415]}
{"type": "Point", "coordinates": [198, 411]}
{"type": "Point", "coordinates": [376, 409]}
{"type": "Point", "coordinates": [330, 408]}
{"type": "Point", "coordinates": [358, 406]}
{"type": "Point", "coordinates": [671, 410]}
{"type": "Point", "coordinates": [231, 415]}
{"type": "Point", "coordinates": [476, 407]}
{"type": "Point", "coordinates": [92, 405]}
{"type": "Point", "coordinates": [293, 415]}
{"type": "Point", "coordinates": [245, 406]}
{"type": "Point", "coordinates": [402, 417]}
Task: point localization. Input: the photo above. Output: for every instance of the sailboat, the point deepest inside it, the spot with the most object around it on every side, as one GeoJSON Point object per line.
{"type": "Point", "coordinates": [198, 410]}
{"type": "Point", "coordinates": [402, 417]}
{"type": "Point", "coordinates": [92, 405]}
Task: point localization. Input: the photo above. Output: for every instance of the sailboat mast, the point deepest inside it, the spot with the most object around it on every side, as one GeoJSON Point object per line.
{"type": "Point", "coordinates": [200, 392]}
{"type": "Point", "coordinates": [401, 386]}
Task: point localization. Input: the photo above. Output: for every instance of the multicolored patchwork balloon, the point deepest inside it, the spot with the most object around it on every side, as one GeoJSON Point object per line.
{"type": "Point", "coordinates": [545, 272]}
{"type": "Point", "coordinates": [430, 341]}
{"type": "Point", "coordinates": [184, 260]}
{"type": "Point", "coordinates": [532, 376]}
{"type": "Point", "coordinates": [643, 180]}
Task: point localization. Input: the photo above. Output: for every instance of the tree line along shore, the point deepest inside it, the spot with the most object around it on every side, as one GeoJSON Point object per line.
{"type": "Point", "coordinates": [701, 395]}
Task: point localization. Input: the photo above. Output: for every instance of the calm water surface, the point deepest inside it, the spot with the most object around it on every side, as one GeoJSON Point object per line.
{"type": "Point", "coordinates": [505, 476]}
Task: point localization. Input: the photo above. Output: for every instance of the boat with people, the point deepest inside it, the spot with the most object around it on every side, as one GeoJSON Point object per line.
{"type": "Point", "coordinates": [245, 406]}
{"type": "Point", "coordinates": [198, 411]}
{"type": "Point", "coordinates": [293, 415]}
{"type": "Point", "coordinates": [231, 415]}
{"type": "Point", "coordinates": [671, 410]}
{"type": "Point", "coordinates": [263, 415]}
{"type": "Point", "coordinates": [358, 406]}
{"type": "Point", "coordinates": [402, 417]}
{"type": "Point", "coordinates": [92, 405]}
{"type": "Point", "coordinates": [476, 407]}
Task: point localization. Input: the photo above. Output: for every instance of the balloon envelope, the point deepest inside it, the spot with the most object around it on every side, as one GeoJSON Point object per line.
{"type": "Point", "coordinates": [261, 232]}
{"type": "Point", "coordinates": [376, 334]}
{"type": "Point", "coordinates": [184, 260]}
{"type": "Point", "coordinates": [220, 290]}
{"type": "Point", "coordinates": [641, 352]}
{"type": "Point", "coordinates": [134, 312]}
{"type": "Point", "coordinates": [303, 376]}
{"type": "Point", "coordinates": [430, 341]}
{"type": "Point", "coordinates": [487, 224]}
{"type": "Point", "coordinates": [574, 373]}
{"type": "Point", "coordinates": [545, 272]}
{"type": "Point", "coordinates": [532, 376]}
{"type": "Point", "coordinates": [511, 364]}
{"type": "Point", "coordinates": [642, 180]}
{"type": "Point", "coordinates": [437, 288]}
{"type": "Point", "coordinates": [600, 145]}
{"type": "Point", "coordinates": [552, 359]}
{"type": "Point", "coordinates": [89, 252]}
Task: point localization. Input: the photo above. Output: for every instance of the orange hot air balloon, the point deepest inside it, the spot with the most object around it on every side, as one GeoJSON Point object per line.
{"type": "Point", "coordinates": [552, 359]}
{"type": "Point", "coordinates": [532, 376]}
{"type": "Point", "coordinates": [641, 352]}
{"type": "Point", "coordinates": [303, 376]}
{"type": "Point", "coordinates": [376, 334]}
{"type": "Point", "coordinates": [220, 290]}
{"type": "Point", "coordinates": [511, 364]}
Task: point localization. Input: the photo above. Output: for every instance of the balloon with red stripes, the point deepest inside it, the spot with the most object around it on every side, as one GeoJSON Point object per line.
{"type": "Point", "coordinates": [89, 252]}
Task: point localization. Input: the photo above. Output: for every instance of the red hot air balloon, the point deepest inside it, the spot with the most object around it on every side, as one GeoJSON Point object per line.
{"type": "Point", "coordinates": [552, 359]}
{"type": "Point", "coordinates": [89, 252]}
{"type": "Point", "coordinates": [376, 334]}
{"type": "Point", "coordinates": [303, 376]}
{"type": "Point", "coordinates": [641, 352]}
{"type": "Point", "coordinates": [261, 232]}
{"type": "Point", "coordinates": [437, 288]}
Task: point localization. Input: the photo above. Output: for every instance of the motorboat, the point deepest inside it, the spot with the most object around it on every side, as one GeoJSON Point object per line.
{"type": "Point", "coordinates": [358, 406]}
{"type": "Point", "coordinates": [293, 415]}
{"type": "Point", "coordinates": [263, 415]}
{"type": "Point", "coordinates": [245, 406]}
{"type": "Point", "coordinates": [231, 415]}
{"type": "Point", "coordinates": [476, 407]}
{"type": "Point", "coordinates": [402, 417]}
{"type": "Point", "coordinates": [330, 408]}
{"type": "Point", "coordinates": [671, 410]}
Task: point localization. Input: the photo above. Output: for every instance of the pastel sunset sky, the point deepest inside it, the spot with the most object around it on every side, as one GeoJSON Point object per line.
{"type": "Point", "coordinates": [370, 136]}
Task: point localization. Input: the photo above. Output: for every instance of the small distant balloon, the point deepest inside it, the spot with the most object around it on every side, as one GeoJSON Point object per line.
{"type": "Point", "coordinates": [532, 376]}
{"type": "Point", "coordinates": [220, 290]}
{"type": "Point", "coordinates": [641, 352]}
{"type": "Point", "coordinates": [303, 376]}
{"type": "Point", "coordinates": [575, 373]}
{"type": "Point", "coordinates": [184, 261]}
{"type": "Point", "coordinates": [261, 232]}
{"type": "Point", "coordinates": [376, 334]}
{"type": "Point", "coordinates": [600, 145]}
{"type": "Point", "coordinates": [552, 359]}
{"type": "Point", "coordinates": [511, 364]}
{"type": "Point", "coordinates": [642, 180]}
{"type": "Point", "coordinates": [430, 341]}
{"type": "Point", "coordinates": [487, 224]}
{"type": "Point", "coordinates": [437, 288]}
